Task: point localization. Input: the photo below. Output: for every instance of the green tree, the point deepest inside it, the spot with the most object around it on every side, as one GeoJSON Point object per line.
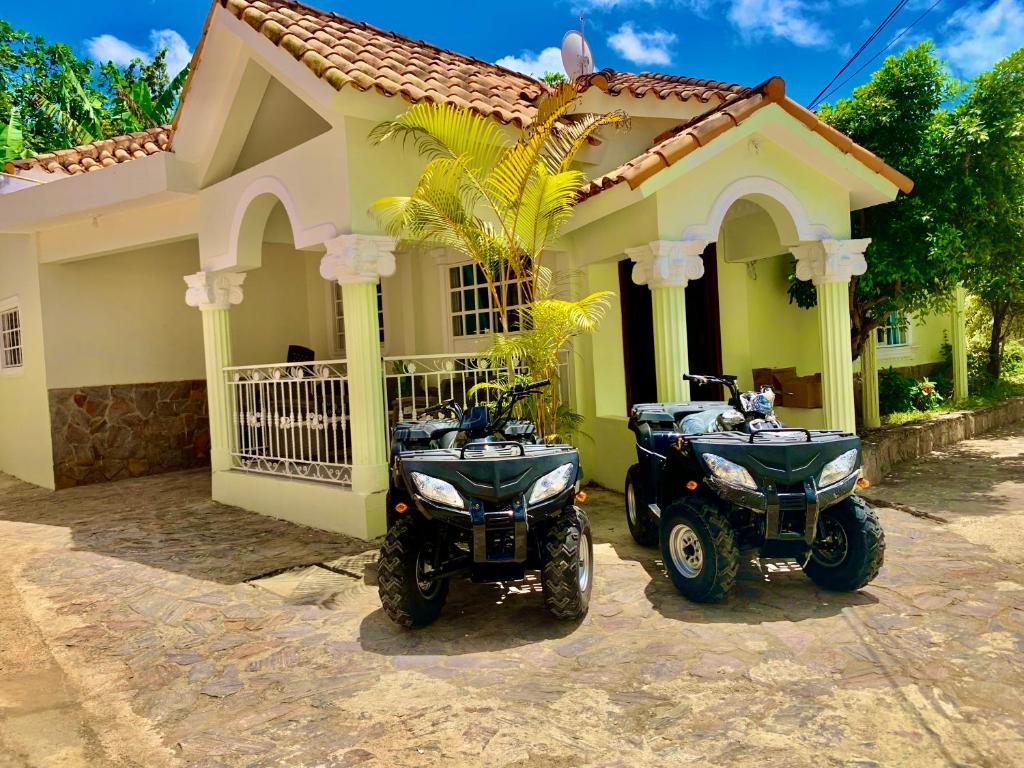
{"type": "Point", "coordinates": [501, 202]}
{"type": "Point", "coordinates": [915, 256]}
{"type": "Point", "coordinates": [986, 137]}
{"type": "Point", "coordinates": [145, 96]}
{"type": "Point", "coordinates": [554, 78]}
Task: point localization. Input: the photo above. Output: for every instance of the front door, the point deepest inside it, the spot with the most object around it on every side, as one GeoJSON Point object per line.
{"type": "Point", "coordinates": [703, 332]}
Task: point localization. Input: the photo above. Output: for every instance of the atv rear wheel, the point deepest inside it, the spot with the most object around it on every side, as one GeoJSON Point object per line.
{"type": "Point", "coordinates": [409, 597]}
{"type": "Point", "coordinates": [642, 524]}
{"type": "Point", "coordinates": [699, 551]}
{"type": "Point", "coordinates": [849, 549]}
{"type": "Point", "coordinates": [568, 573]}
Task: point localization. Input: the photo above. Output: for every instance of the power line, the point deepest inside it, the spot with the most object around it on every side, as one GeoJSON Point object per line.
{"type": "Point", "coordinates": [892, 42]}
{"type": "Point", "coordinates": [871, 38]}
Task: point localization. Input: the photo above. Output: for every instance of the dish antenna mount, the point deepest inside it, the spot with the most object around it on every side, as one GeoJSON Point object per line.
{"type": "Point", "coordinates": [577, 60]}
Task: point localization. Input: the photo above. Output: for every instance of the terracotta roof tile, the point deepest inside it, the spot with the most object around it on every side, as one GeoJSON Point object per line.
{"type": "Point", "coordinates": [98, 154]}
{"type": "Point", "coordinates": [370, 58]}
{"type": "Point", "coordinates": [672, 146]}
{"type": "Point", "coordinates": [660, 85]}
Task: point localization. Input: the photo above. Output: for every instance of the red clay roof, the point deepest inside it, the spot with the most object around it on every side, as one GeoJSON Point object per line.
{"type": "Point", "coordinates": [673, 146]}
{"type": "Point", "coordinates": [662, 86]}
{"type": "Point", "coordinates": [348, 53]}
{"type": "Point", "coordinates": [98, 154]}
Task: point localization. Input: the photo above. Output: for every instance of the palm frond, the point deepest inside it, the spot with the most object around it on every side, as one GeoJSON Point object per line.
{"type": "Point", "coordinates": [573, 135]}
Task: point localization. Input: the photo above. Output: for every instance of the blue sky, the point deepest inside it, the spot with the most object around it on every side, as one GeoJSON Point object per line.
{"type": "Point", "coordinates": [743, 41]}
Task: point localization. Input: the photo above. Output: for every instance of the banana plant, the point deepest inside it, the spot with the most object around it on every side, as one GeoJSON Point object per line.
{"type": "Point", "coordinates": [12, 139]}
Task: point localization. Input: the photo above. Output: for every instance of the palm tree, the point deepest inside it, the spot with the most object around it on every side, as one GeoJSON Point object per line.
{"type": "Point", "coordinates": [137, 107]}
{"type": "Point", "coordinates": [501, 202]}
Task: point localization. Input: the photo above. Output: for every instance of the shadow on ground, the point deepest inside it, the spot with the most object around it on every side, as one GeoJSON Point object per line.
{"type": "Point", "coordinates": [170, 523]}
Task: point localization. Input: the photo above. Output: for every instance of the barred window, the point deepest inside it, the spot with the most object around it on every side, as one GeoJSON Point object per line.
{"type": "Point", "coordinates": [11, 353]}
{"type": "Point", "coordinates": [895, 331]}
{"type": "Point", "coordinates": [339, 318]}
{"type": "Point", "coordinates": [470, 307]}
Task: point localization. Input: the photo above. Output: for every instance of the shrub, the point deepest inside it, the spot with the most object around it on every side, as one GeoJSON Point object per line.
{"type": "Point", "coordinates": [926, 395]}
{"type": "Point", "coordinates": [895, 392]}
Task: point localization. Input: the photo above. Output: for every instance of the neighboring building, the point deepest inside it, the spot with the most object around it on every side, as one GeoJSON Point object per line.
{"type": "Point", "coordinates": [260, 191]}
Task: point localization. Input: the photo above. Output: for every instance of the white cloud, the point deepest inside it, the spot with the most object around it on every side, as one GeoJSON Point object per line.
{"type": "Point", "coordinates": [178, 52]}
{"type": "Point", "coordinates": [109, 48]}
{"type": "Point", "coordinates": [783, 19]}
{"type": "Point", "coordinates": [980, 35]}
{"type": "Point", "coordinates": [548, 60]}
{"type": "Point", "coordinates": [643, 47]}
{"type": "Point", "coordinates": [106, 48]}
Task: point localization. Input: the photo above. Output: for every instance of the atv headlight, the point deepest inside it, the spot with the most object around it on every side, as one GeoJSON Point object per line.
{"type": "Point", "coordinates": [838, 468]}
{"type": "Point", "coordinates": [437, 490]}
{"type": "Point", "coordinates": [729, 472]}
{"type": "Point", "coordinates": [552, 484]}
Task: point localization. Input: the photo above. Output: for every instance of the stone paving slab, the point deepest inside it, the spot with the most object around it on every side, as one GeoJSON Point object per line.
{"type": "Point", "coordinates": [140, 589]}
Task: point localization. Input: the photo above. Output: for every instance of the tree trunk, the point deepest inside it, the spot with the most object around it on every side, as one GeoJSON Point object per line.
{"type": "Point", "coordinates": [995, 343]}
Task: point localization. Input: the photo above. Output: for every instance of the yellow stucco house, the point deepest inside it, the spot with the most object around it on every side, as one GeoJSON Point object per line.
{"type": "Point", "coordinates": [153, 286]}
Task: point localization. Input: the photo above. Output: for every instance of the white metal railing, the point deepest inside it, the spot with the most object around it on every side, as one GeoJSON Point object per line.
{"type": "Point", "coordinates": [415, 382]}
{"type": "Point", "coordinates": [292, 419]}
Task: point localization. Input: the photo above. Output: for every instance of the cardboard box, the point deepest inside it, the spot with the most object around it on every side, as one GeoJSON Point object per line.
{"type": "Point", "coordinates": [804, 392]}
{"type": "Point", "coordinates": [791, 390]}
{"type": "Point", "coordinates": [775, 378]}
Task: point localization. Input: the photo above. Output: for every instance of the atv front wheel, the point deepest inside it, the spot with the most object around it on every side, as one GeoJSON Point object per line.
{"type": "Point", "coordinates": [699, 551]}
{"type": "Point", "coordinates": [642, 524]}
{"type": "Point", "coordinates": [849, 549]}
{"type": "Point", "coordinates": [407, 593]}
{"type": "Point", "coordinates": [568, 573]}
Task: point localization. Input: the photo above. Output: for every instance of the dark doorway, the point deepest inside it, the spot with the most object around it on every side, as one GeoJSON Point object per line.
{"type": "Point", "coordinates": [704, 327]}
{"type": "Point", "coordinates": [703, 332]}
{"type": "Point", "coordinates": [637, 338]}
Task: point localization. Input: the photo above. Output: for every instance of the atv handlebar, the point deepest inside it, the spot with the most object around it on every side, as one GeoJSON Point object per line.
{"type": "Point", "coordinates": [727, 380]}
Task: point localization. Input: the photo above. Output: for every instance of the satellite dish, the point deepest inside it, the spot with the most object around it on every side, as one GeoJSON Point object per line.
{"type": "Point", "coordinates": [577, 59]}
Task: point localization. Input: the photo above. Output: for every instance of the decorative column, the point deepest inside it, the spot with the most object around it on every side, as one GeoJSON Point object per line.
{"type": "Point", "coordinates": [869, 382]}
{"type": "Point", "coordinates": [666, 266]}
{"type": "Point", "coordinates": [958, 340]}
{"type": "Point", "coordinates": [830, 264]}
{"type": "Point", "coordinates": [358, 262]}
{"type": "Point", "coordinates": [214, 293]}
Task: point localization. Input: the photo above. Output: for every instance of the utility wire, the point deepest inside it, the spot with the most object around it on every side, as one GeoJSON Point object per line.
{"type": "Point", "coordinates": [871, 38]}
{"type": "Point", "coordinates": [892, 42]}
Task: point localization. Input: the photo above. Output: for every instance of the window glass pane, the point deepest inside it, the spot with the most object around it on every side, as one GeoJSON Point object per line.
{"type": "Point", "coordinates": [469, 300]}
{"type": "Point", "coordinates": [470, 325]}
{"type": "Point", "coordinates": [468, 275]}
{"type": "Point", "coordinates": [485, 323]}
{"type": "Point", "coordinates": [457, 325]}
{"type": "Point", "coordinates": [456, 301]}
{"type": "Point", "coordinates": [483, 298]}
{"type": "Point", "coordinates": [453, 277]}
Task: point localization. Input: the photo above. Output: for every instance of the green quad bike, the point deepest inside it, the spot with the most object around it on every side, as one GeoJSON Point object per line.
{"type": "Point", "coordinates": [713, 478]}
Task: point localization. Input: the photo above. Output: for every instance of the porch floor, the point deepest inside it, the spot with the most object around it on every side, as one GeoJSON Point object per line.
{"type": "Point", "coordinates": [128, 605]}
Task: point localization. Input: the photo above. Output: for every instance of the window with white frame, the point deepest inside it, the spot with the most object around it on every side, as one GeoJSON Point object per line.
{"type": "Point", "coordinates": [470, 304]}
{"type": "Point", "coordinates": [339, 318]}
{"type": "Point", "coordinates": [894, 331]}
{"type": "Point", "coordinates": [11, 351]}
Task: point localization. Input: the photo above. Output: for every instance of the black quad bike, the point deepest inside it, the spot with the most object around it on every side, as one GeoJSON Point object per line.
{"type": "Point", "coordinates": [713, 478]}
{"type": "Point", "coordinates": [475, 493]}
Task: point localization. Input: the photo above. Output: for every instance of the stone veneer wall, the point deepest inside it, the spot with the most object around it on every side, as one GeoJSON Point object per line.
{"type": "Point", "coordinates": [889, 446]}
{"type": "Point", "coordinates": [110, 433]}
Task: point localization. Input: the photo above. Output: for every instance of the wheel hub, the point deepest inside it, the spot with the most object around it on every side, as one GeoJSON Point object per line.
{"type": "Point", "coordinates": [584, 563]}
{"type": "Point", "coordinates": [686, 551]}
{"type": "Point", "coordinates": [425, 582]}
{"type": "Point", "coordinates": [831, 546]}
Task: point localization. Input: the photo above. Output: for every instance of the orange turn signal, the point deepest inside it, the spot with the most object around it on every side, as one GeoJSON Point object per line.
{"type": "Point", "coordinates": [691, 485]}
{"type": "Point", "coordinates": [581, 497]}
{"type": "Point", "coordinates": [401, 507]}
{"type": "Point", "coordinates": [863, 482]}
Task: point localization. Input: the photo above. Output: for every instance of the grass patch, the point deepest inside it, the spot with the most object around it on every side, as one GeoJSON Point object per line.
{"type": "Point", "coordinates": [996, 393]}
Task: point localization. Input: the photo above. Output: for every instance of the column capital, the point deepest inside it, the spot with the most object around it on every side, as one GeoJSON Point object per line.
{"type": "Point", "coordinates": [358, 258]}
{"type": "Point", "coordinates": [214, 290]}
{"type": "Point", "coordinates": [668, 263]}
{"type": "Point", "coordinates": [830, 261]}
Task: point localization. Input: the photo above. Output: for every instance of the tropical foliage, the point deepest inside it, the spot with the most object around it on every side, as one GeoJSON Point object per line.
{"type": "Point", "coordinates": [50, 99]}
{"type": "Point", "coordinates": [501, 201]}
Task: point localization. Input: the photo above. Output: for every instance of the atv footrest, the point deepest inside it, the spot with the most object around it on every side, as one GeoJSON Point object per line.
{"type": "Point", "coordinates": [499, 535]}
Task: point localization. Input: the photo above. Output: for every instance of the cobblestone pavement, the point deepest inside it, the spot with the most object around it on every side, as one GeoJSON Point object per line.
{"type": "Point", "coordinates": [136, 594]}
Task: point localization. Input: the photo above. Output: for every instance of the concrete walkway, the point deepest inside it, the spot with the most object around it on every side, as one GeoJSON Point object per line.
{"type": "Point", "coordinates": [129, 635]}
